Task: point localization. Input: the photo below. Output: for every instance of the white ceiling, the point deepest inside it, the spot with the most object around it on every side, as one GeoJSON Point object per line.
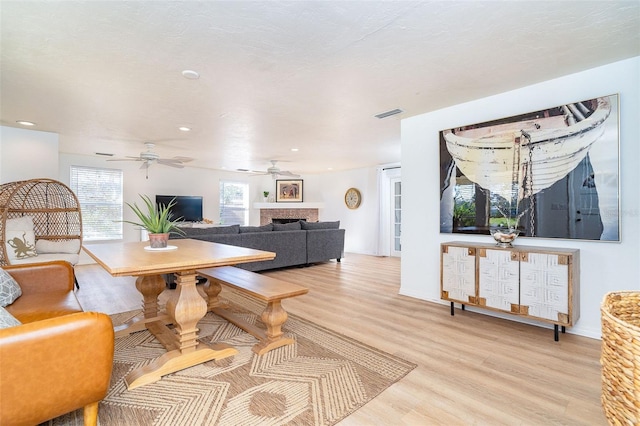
{"type": "Point", "coordinates": [106, 76]}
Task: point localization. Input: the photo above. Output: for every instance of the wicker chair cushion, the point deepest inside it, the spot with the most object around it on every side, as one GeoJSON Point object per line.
{"type": "Point", "coordinates": [20, 238]}
{"type": "Point", "coordinates": [9, 289]}
{"type": "Point", "coordinates": [48, 257]}
{"type": "Point", "coordinates": [69, 246]}
{"type": "Point", "coordinates": [7, 320]}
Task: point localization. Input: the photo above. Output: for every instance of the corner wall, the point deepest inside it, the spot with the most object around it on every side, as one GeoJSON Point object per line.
{"type": "Point", "coordinates": [604, 266]}
{"type": "Point", "coordinates": [27, 154]}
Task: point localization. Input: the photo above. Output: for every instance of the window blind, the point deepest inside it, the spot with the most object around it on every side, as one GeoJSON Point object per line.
{"type": "Point", "coordinates": [99, 192]}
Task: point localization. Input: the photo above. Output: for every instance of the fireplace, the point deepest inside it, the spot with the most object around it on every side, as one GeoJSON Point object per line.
{"type": "Point", "coordinates": [285, 220]}
{"type": "Point", "coordinates": [290, 215]}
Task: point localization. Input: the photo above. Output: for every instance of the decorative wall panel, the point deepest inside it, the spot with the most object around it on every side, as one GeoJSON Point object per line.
{"type": "Point", "coordinates": [459, 273]}
{"type": "Point", "coordinates": [499, 278]}
{"type": "Point", "coordinates": [544, 286]}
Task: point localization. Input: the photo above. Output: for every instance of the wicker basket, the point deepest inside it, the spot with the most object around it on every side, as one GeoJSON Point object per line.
{"type": "Point", "coordinates": [621, 357]}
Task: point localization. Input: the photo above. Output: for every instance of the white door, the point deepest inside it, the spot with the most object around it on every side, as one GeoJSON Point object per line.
{"type": "Point", "coordinates": [396, 217]}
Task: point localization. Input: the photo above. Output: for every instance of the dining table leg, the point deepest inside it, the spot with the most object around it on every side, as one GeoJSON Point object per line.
{"type": "Point", "coordinates": [150, 286]}
{"type": "Point", "coordinates": [186, 307]}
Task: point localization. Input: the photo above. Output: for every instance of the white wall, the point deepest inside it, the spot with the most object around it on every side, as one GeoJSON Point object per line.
{"type": "Point", "coordinates": [27, 154]}
{"type": "Point", "coordinates": [604, 266]}
{"type": "Point", "coordinates": [361, 224]}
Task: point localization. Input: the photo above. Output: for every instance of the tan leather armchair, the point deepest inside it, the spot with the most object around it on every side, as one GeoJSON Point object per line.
{"type": "Point", "coordinates": [60, 358]}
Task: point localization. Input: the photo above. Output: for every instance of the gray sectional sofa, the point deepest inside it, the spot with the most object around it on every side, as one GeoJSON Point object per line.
{"type": "Point", "coordinates": [295, 243]}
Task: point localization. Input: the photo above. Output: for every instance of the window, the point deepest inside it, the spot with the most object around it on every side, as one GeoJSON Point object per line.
{"type": "Point", "coordinates": [100, 194]}
{"type": "Point", "coordinates": [234, 203]}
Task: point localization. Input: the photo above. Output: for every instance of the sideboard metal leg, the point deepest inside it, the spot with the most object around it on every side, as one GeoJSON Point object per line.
{"type": "Point", "coordinates": [462, 307]}
{"type": "Point", "coordinates": [555, 332]}
{"type": "Point", "coordinates": [564, 329]}
{"type": "Point", "coordinates": [451, 308]}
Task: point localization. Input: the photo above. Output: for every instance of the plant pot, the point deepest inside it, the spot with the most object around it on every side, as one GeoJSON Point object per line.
{"type": "Point", "coordinates": [158, 240]}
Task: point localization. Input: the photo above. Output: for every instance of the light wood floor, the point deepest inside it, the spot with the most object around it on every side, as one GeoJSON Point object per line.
{"type": "Point", "coordinates": [472, 368]}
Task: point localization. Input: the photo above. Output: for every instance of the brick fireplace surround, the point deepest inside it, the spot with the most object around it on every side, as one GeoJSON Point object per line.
{"type": "Point", "coordinates": [310, 215]}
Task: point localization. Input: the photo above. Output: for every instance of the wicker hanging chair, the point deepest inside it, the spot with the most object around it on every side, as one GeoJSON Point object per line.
{"type": "Point", "coordinates": [52, 205]}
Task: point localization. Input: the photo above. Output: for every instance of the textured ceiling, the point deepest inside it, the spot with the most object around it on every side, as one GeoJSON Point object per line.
{"type": "Point", "coordinates": [106, 76]}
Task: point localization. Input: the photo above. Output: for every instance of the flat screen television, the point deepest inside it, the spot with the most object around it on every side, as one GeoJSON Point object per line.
{"type": "Point", "coordinates": [189, 208]}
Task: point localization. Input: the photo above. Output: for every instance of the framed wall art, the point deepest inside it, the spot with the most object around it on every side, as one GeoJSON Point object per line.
{"type": "Point", "coordinates": [552, 173]}
{"type": "Point", "coordinates": [289, 191]}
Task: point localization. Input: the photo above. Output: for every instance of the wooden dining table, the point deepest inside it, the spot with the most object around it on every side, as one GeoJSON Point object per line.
{"type": "Point", "coordinates": [184, 308]}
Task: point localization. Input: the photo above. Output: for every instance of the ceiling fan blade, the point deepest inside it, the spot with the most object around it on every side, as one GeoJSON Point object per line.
{"type": "Point", "coordinates": [125, 159]}
{"type": "Point", "coordinates": [145, 165]}
{"type": "Point", "coordinates": [182, 159]}
{"type": "Point", "coordinates": [171, 164]}
{"type": "Point", "coordinates": [170, 160]}
{"type": "Point", "coordinates": [287, 173]}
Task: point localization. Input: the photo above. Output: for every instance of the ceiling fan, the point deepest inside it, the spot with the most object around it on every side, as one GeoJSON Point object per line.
{"type": "Point", "coordinates": [149, 157]}
{"type": "Point", "coordinates": [274, 171]}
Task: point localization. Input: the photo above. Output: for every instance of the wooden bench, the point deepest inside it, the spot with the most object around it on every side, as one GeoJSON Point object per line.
{"type": "Point", "coordinates": [270, 290]}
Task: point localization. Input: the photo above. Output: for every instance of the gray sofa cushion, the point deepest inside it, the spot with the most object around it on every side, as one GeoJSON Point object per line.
{"type": "Point", "coordinates": [320, 225]}
{"type": "Point", "coordinates": [231, 239]}
{"type": "Point", "coordinates": [203, 232]}
{"type": "Point", "coordinates": [229, 229]}
{"type": "Point", "coordinates": [292, 226]}
{"type": "Point", "coordinates": [290, 248]}
{"type": "Point", "coordinates": [324, 244]}
{"type": "Point", "coordinates": [264, 228]}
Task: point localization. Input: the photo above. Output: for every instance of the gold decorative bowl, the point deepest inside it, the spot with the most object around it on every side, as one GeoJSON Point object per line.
{"type": "Point", "coordinates": [504, 236]}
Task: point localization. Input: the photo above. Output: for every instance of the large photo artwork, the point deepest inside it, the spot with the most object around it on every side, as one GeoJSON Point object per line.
{"type": "Point", "coordinates": [550, 174]}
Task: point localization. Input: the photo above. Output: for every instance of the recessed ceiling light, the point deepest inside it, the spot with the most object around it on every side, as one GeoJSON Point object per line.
{"type": "Point", "coordinates": [184, 128]}
{"type": "Point", "coordinates": [191, 75]}
{"type": "Point", "coordinates": [26, 123]}
{"type": "Point", "coordinates": [295, 149]}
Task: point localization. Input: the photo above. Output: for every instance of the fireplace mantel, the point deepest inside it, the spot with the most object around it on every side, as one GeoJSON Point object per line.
{"type": "Point", "coordinates": [288, 205]}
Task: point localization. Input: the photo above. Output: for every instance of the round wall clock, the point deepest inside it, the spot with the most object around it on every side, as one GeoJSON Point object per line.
{"type": "Point", "coordinates": [352, 198]}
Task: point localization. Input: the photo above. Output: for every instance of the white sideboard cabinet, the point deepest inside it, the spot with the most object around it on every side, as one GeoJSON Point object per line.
{"type": "Point", "coordinates": [540, 283]}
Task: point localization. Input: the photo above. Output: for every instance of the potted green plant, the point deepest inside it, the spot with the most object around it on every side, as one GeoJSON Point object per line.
{"type": "Point", "coordinates": [157, 220]}
{"type": "Point", "coordinates": [266, 195]}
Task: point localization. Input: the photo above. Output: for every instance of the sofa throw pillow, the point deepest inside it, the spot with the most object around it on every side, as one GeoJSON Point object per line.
{"type": "Point", "coordinates": [7, 320]}
{"type": "Point", "coordinates": [68, 246]}
{"type": "Point", "coordinates": [291, 226]}
{"type": "Point", "coordinates": [20, 240]}
{"type": "Point", "coordinates": [321, 225]}
{"type": "Point", "coordinates": [9, 289]}
{"type": "Point", "coordinates": [264, 228]}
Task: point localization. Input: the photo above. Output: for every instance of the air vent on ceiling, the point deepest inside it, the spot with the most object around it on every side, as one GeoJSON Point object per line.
{"type": "Point", "coordinates": [388, 113]}
{"type": "Point", "coordinates": [105, 154]}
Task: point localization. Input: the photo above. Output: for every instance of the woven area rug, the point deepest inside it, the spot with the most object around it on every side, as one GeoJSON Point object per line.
{"type": "Point", "coordinates": [319, 380]}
